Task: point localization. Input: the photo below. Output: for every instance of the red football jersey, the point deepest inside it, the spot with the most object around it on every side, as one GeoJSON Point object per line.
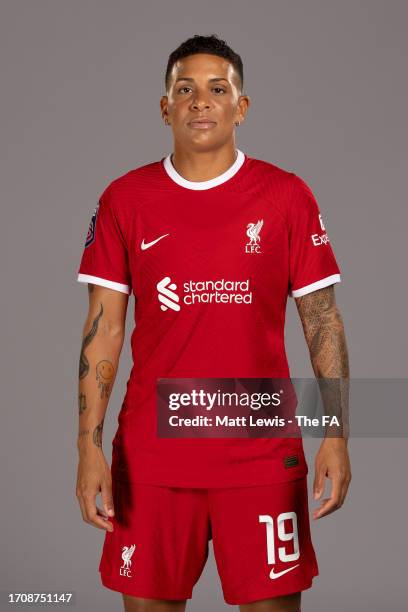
{"type": "Point", "coordinates": [211, 265]}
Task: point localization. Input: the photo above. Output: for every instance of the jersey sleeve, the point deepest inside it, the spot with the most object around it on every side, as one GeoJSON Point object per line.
{"type": "Point", "coordinates": [105, 257]}
{"type": "Point", "coordinates": [312, 264]}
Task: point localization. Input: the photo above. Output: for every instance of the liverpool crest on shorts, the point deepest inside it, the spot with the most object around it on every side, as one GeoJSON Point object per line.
{"type": "Point", "coordinates": [127, 552]}
{"type": "Point", "coordinates": [90, 237]}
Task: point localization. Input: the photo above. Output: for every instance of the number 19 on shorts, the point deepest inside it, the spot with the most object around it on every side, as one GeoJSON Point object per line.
{"type": "Point", "coordinates": [284, 536]}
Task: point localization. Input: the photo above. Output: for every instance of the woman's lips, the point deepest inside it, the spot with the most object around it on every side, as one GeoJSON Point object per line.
{"type": "Point", "coordinates": [201, 125]}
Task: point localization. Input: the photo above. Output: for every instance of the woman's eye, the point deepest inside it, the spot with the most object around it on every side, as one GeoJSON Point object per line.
{"type": "Point", "coordinates": [216, 89]}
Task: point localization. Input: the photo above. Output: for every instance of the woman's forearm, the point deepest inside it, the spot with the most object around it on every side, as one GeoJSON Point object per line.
{"type": "Point", "coordinates": [98, 364]}
{"type": "Point", "coordinates": [324, 332]}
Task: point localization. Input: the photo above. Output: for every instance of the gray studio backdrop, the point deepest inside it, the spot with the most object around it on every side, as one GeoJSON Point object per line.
{"type": "Point", "coordinates": [81, 83]}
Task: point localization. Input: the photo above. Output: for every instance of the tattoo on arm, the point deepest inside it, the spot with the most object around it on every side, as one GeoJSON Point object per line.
{"type": "Point", "coordinates": [83, 432]}
{"type": "Point", "coordinates": [82, 402]}
{"type": "Point", "coordinates": [97, 434]}
{"type": "Point", "coordinates": [83, 361]}
{"type": "Point", "coordinates": [104, 375]}
{"type": "Point", "coordinates": [324, 332]}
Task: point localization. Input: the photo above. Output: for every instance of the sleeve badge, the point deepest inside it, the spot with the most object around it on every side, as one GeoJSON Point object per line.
{"type": "Point", "coordinates": [90, 237]}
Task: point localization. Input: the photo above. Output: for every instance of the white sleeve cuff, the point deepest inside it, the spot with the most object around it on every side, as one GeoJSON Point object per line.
{"type": "Point", "coordinates": [96, 280]}
{"type": "Point", "coordinates": [320, 284]}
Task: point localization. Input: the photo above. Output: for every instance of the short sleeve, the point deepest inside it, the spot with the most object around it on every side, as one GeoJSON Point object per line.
{"type": "Point", "coordinates": [105, 257]}
{"type": "Point", "coordinates": [312, 264]}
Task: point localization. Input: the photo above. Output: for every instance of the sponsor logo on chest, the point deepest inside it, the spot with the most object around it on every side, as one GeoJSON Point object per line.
{"type": "Point", "coordinates": [221, 291]}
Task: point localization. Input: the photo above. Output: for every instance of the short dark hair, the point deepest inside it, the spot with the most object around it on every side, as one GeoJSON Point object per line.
{"type": "Point", "coordinates": [205, 44]}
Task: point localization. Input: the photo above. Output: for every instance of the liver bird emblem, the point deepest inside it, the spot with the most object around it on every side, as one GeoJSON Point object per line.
{"type": "Point", "coordinates": [127, 552]}
{"type": "Point", "coordinates": [253, 231]}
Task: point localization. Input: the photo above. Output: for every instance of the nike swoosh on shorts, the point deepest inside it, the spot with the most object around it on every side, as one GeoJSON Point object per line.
{"type": "Point", "coordinates": [279, 574]}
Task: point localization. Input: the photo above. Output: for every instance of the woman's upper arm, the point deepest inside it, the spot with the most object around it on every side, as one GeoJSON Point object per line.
{"type": "Point", "coordinates": [112, 305]}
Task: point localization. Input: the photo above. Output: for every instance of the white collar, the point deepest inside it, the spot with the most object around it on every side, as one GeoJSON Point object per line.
{"type": "Point", "coordinates": [217, 180]}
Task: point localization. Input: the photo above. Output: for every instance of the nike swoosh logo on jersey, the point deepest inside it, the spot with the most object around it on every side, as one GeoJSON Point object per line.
{"type": "Point", "coordinates": [146, 245]}
{"type": "Point", "coordinates": [279, 574]}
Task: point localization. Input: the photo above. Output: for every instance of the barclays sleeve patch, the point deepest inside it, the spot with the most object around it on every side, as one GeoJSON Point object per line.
{"type": "Point", "coordinates": [90, 237]}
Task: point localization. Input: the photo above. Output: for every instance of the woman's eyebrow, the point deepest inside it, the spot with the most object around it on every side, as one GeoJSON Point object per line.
{"type": "Point", "coordinates": [210, 80]}
{"type": "Point", "coordinates": [219, 79]}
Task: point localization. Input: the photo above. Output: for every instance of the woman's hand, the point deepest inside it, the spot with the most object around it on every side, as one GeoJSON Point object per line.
{"type": "Point", "coordinates": [332, 461]}
{"type": "Point", "coordinates": [94, 476]}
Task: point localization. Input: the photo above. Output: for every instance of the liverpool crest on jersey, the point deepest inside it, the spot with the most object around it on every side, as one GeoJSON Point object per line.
{"type": "Point", "coordinates": [90, 237]}
{"type": "Point", "coordinates": [253, 230]}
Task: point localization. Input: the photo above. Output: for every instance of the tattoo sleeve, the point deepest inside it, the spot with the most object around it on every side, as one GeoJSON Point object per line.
{"type": "Point", "coordinates": [325, 337]}
{"type": "Point", "coordinates": [99, 357]}
{"type": "Point", "coordinates": [83, 361]}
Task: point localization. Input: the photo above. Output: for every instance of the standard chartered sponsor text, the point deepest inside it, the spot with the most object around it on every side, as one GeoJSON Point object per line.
{"type": "Point", "coordinates": [221, 291]}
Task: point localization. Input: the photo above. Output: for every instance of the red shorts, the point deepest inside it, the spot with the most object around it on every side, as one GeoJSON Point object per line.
{"type": "Point", "coordinates": [159, 546]}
